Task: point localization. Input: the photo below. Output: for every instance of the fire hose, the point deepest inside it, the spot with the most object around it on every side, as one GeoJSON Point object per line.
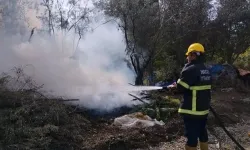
{"type": "Point", "coordinates": [219, 121]}
{"type": "Point", "coordinates": [224, 128]}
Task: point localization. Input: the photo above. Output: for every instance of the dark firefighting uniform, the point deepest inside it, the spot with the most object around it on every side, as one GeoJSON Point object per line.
{"type": "Point", "coordinates": [195, 84]}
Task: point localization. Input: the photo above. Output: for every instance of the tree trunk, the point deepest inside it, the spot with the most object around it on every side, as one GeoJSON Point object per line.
{"type": "Point", "coordinates": [139, 79]}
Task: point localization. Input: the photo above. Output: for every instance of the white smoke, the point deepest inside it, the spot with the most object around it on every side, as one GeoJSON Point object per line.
{"type": "Point", "coordinates": [97, 77]}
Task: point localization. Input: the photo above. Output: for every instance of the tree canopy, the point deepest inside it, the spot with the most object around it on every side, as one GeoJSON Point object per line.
{"type": "Point", "coordinates": [158, 32]}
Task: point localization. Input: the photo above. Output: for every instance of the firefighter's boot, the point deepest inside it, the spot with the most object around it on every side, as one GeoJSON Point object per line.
{"type": "Point", "coordinates": [203, 145]}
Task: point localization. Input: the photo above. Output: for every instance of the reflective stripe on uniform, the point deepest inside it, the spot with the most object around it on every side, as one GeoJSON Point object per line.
{"type": "Point", "coordinates": [185, 85]}
{"type": "Point", "coordinates": [194, 90]}
{"type": "Point", "coordinates": [186, 111]}
{"type": "Point", "coordinates": [194, 98]}
{"type": "Point", "coordinates": [200, 88]}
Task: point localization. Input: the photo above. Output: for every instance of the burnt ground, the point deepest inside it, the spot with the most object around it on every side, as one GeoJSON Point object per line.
{"type": "Point", "coordinates": [28, 123]}
{"type": "Point", "coordinates": [106, 136]}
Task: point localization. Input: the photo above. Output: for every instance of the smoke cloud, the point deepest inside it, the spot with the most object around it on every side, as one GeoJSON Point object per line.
{"type": "Point", "coordinates": [93, 72]}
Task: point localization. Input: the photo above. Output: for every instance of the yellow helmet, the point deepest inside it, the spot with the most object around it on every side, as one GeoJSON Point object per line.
{"type": "Point", "coordinates": [195, 47]}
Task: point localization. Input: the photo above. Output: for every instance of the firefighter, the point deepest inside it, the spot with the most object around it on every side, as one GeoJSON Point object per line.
{"type": "Point", "coordinates": [195, 85]}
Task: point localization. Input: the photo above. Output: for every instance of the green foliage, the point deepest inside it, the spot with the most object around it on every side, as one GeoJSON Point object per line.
{"type": "Point", "coordinates": [162, 108]}
{"type": "Point", "coordinates": [166, 67]}
{"type": "Point", "coordinates": [243, 60]}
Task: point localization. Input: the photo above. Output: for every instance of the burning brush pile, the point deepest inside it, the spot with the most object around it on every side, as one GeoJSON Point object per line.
{"type": "Point", "coordinates": [29, 120]}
